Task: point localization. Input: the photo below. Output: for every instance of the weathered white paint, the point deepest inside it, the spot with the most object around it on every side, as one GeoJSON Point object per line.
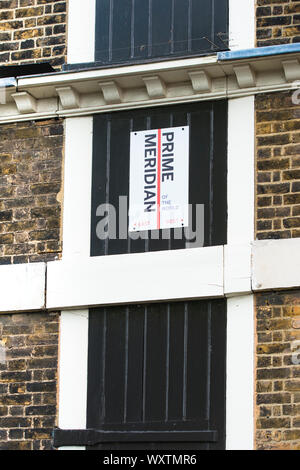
{"type": "Point", "coordinates": [240, 374]}
{"type": "Point", "coordinates": [240, 193]}
{"type": "Point", "coordinates": [77, 187]}
{"type": "Point", "coordinates": [241, 24]}
{"type": "Point", "coordinates": [276, 264]}
{"type": "Point", "coordinates": [117, 279]}
{"type": "Point", "coordinates": [237, 269]}
{"type": "Point", "coordinates": [146, 85]}
{"type": "Point", "coordinates": [73, 357]}
{"type": "Point", "coordinates": [81, 31]}
{"type": "Point", "coordinates": [22, 287]}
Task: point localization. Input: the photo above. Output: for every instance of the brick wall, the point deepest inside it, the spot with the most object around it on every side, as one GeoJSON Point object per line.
{"type": "Point", "coordinates": [33, 31]}
{"type": "Point", "coordinates": [28, 373]}
{"type": "Point", "coordinates": [278, 166]}
{"type": "Point", "coordinates": [278, 22]}
{"type": "Point", "coordinates": [31, 155]}
{"type": "Point", "coordinates": [278, 370]}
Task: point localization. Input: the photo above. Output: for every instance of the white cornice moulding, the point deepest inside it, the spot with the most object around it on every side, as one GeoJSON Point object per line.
{"type": "Point", "coordinates": [245, 76]}
{"type": "Point", "coordinates": [201, 81]}
{"type": "Point", "coordinates": [291, 70]}
{"type": "Point", "coordinates": [69, 97]}
{"type": "Point", "coordinates": [156, 88]}
{"type": "Point", "coordinates": [25, 102]}
{"type": "Point", "coordinates": [88, 92]}
{"type": "Point", "coordinates": [112, 92]}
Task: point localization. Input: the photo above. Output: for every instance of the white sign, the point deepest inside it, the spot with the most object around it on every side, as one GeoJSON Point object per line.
{"type": "Point", "coordinates": [159, 177]}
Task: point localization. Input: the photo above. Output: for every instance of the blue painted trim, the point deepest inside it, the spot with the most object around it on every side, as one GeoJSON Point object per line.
{"type": "Point", "coordinates": [259, 52]}
{"type": "Point", "coordinates": [8, 82]}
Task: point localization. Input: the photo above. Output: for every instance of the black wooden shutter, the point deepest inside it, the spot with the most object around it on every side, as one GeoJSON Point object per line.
{"type": "Point", "coordinates": [207, 168]}
{"type": "Point", "coordinates": [141, 30]}
{"type": "Point", "coordinates": [156, 376]}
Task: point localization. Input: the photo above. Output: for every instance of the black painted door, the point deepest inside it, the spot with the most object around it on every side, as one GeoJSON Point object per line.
{"type": "Point", "coordinates": [141, 30]}
{"type": "Point", "coordinates": [156, 376]}
{"type": "Point", "coordinates": [207, 123]}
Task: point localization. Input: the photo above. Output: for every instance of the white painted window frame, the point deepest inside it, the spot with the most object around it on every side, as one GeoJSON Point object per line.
{"type": "Point", "coordinates": [76, 236]}
{"type": "Point", "coordinates": [81, 31]}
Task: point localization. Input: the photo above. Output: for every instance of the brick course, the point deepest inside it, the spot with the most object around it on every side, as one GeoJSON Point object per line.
{"type": "Point", "coordinates": [31, 155]}
{"type": "Point", "coordinates": [278, 371]}
{"type": "Point", "coordinates": [33, 31]}
{"type": "Point", "coordinates": [28, 380]}
{"type": "Point", "coordinates": [277, 22]}
{"type": "Point", "coordinates": [278, 166]}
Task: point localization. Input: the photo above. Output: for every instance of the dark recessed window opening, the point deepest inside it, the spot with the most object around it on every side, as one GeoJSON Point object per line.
{"type": "Point", "coordinates": [129, 31]}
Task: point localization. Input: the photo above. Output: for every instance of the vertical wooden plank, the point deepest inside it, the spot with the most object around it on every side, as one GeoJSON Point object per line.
{"type": "Point", "coordinates": [141, 28]}
{"type": "Point", "coordinates": [197, 350]}
{"type": "Point", "coordinates": [219, 174]}
{"type": "Point", "coordinates": [135, 364]}
{"type": "Point", "coordinates": [176, 360]}
{"type": "Point", "coordinates": [102, 30]}
{"type": "Point", "coordinates": [155, 385]}
{"type": "Point", "coordinates": [201, 26]}
{"type": "Point", "coordinates": [121, 30]}
{"type": "Point", "coordinates": [221, 24]}
{"type": "Point", "coordinates": [119, 174]}
{"type": "Point", "coordinates": [96, 368]}
{"type": "Point", "coordinates": [99, 179]}
{"type": "Point", "coordinates": [161, 27]}
{"type": "Point", "coordinates": [199, 171]}
{"type": "Point", "coordinates": [115, 365]}
{"type": "Point", "coordinates": [218, 371]}
{"type": "Point", "coordinates": [181, 20]}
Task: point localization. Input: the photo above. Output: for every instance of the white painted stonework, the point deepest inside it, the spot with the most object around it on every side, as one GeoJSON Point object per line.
{"type": "Point", "coordinates": [241, 24]}
{"type": "Point", "coordinates": [22, 287]}
{"type": "Point", "coordinates": [177, 81]}
{"type": "Point", "coordinates": [240, 374]}
{"type": "Point", "coordinates": [241, 170]}
{"type": "Point", "coordinates": [275, 264]}
{"type": "Point", "coordinates": [117, 279]}
{"type": "Point", "coordinates": [73, 361]}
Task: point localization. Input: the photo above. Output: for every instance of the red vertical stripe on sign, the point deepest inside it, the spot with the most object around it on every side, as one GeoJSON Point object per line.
{"type": "Point", "coordinates": [158, 175]}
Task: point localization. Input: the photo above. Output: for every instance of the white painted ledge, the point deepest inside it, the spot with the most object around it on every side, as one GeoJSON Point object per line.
{"type": "Point", "coordinates": [276, 264]}
{"type": "Point", "coordinates": [146, 277]}
{"type": "Point", "coordinates": [222, 271]}
{"type": "Point", "coordinates": [22, 287]}
{"type": "Point", "coordinates": [237, 270]}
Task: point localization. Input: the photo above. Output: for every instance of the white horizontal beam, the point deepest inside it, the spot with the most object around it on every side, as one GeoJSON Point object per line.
{"type": "Point", "coordinates": [79, 282]}
{"type": "Point", "coordinates": [145, 277]}
{"type": "Point", "coordinates": [22, 287]}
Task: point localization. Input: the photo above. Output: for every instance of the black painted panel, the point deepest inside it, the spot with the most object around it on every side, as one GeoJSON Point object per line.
{"type": "Point", "coordinates": [138, 30]}
{"type": "Point", "coordinates": [207, 170]}
{"type": "Point", "coordinates": [158, 367]}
